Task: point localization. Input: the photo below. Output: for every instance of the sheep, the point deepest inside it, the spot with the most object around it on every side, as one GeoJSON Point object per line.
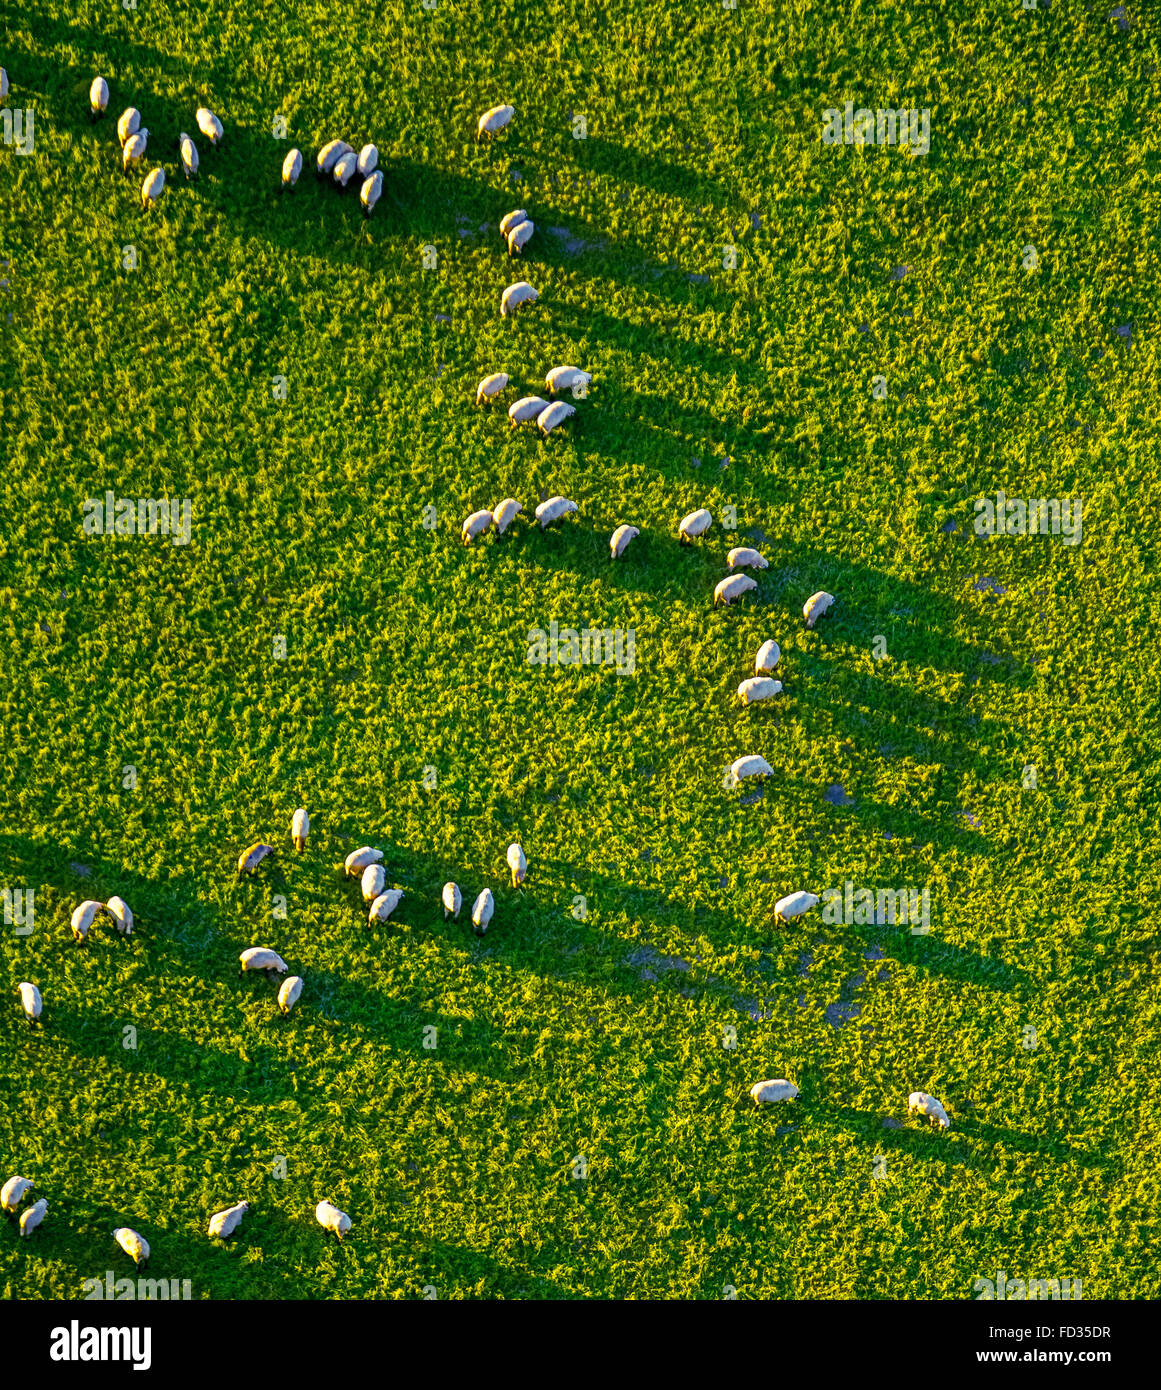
{"type": "Point", "coordinates": [262, 958]}
{"type": "Point", "coordinates": [385, 904]}
{"type": "Point", "coordinates": [329, 155]}
{"type": "Point", "coordinates": [491, 386]}
{"type": "Point", "coordinates": [189, 155]}
{"type": "Point", "coordinates": [358, 859]}
{"type": "Point", "coordinates": [134, 149]}
{"type": "Point", "coordinates": [750, 766]}
{"type": "Point", "coordinates": [299, 828]}
{"type": "Point", "coordinates": [30, 1219]}
{"type": "Point", "coordinates": [373, 882]}
{"type": "Point", "coordinates": [122, 915]}
{"type": "Point", "coordinates": [135, 1246]}
{"type": "Point", "coordinates": [519, 237]}
{"type": "Point", "coordinates": [209, 125]}
{"type": "Point", "coordinates": [82, 918]}
{"type": "Point", "coordinates": [553, 510]}
{"type": "Point", "coordinates": [556, 414]}
{"type": "Point", "coordinates": [98, 98]}
{"type": "Point", "coordinates": [329, 1216]}
{"type": "Point", "coordinates": [766, 1092]}
{"type": "Point", "coordinates": [128, 123]}
{"type": "Point", "coordinates": [288, 994]}
{"type": "Point", "coordinates": [344, 170]}
{"type": "Point", "coordinates": [794, 905]}
{"type": "Point", "coordinates": [506, 513]}
{"type": "Point", "coordinates": [769, 655]}
{"type": "Point", "coordinates": [619, 540]}
{"type": "Point", "coordinates": [815, 606]}
{"type": "Point", "coordinates": [758, 688]}
{"type": "Point", "coordinates": [526, 408]}
{"type": "Point", "coordinates": [249, 859]}
{"type": "Point", "coordinates": [152, 188]}
{"type": "Point", "coordinates": [30, 1000]}
{"type": "Point", "coordinates": [493, 121]}
{"type": "Point", "coordinates": [743, 556]}
{"type": "Point", "coordinates": [12, 1193]}
{"type": "Point", "coordinates": [732, 587]}
{"type": "Point", "coordinates": [515, 295]}
{"type": "Point", "coordinates": [694, 525]}
{"type": "Point", "coordinates": [921, 1102]}
{"type": "Point", "coordinates": [452, 900]}
{"type": "Point", "coordinates": [223, 1224]}
{"type": "Point", "coordinates": [510, 220]}
{"type": "Point", "coordinates": [368, 161]}
{"type": "Point", "coordinates": [482, 910]}
{"type": "Point", "coordinates": [371, 192]}
{"type": "Point", "coordinates": [291, 168]}
{"type": "Point", "coordinates": [517, 863]}
{"type": "Point", "coordinates": [475, 524]}
{"type": "Point", "coordinates": [566, 379]}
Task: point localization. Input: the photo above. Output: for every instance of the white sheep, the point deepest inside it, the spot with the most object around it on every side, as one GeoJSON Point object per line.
{"type": "Point", "coordinates": [209, 125]}
{"type": "Point", "coordinates": [373, 882]}
{"type": "Point", "coordinates": [769, 655]}
{"type": "Point", "coordinates": [620, 539]}
{"type": "Point", "coordinates": [299, 828]}
{"type": "Point", "coordinates": [262, 958]}
{"type": "Point", "coordinates": [223, 1224]}
{"type": "Point", "coordinates": [128, 123]}
{"type": "Point", "coordinates": [12, 1193]}
{"type": "Point", "coordinates": [30, 1000]}
{"type": "Point", "coordinates": [371, 192]}
{"type": "Point", "coordinates": [794, 905]}
{"type": "Point", "coordinates": [368, 161]}
{"type": "Point", "coordinates": [767, 1092]}
{"type": "Point", "coordinates": [344, 170]}
{"type": "Point", "coordinates": [921, 1102]}
{"type": "Point", "coordinates": [750, 766]}
{"type": "Point", "coordinates": [494, 120]}
{"type": "Point", "coordinates": [695, 524]}
{"type": "Point", "coordinates": [30, 1219]}
{"type": "Point", "coordinates": [758, 688]}
{"type": "Point", "coordinates": [815, 606]}
{"type": "Point", "coordinates": [288, 994]}
{"type": "Point", "coordinates": [733, 587]}
{"type": "Point", "coordinates": [745, 556]}
{"type": "Point", "coordinates": [82, 918]}
{"type": "Point", "coordinates": [476, 524]}
{"type": "Point", "coordinates": [482, 910]}
{"type": "Point", "coordinates": [358, 859]}
{"type": "Point", "coordinates": [250, 858]}
{"type": "Point", "coordinates": [329, 1216]}
{"type": "Point", "coordinates": [291, 168]}
{"type": "Point", "coordinates": [519, 237]}
{"type": "Point", "coordinates": [98, 97]}
{"type": "Point", "coordinates": [153, 188]}
{"type": "Point", "coordinates": [556, 414]}
{"type": "Point", "coordinates": [510, 220]}
{"type": "Point", "coordinates": [452, 900]}
{"type": "Point", "coordinates": [517, 863]}
{"type": "Point", "coordinates": [329, 156]}
{"type": "Point", "coordinates": [385, 904]}
{"type": "Point", "coordinates": [515, 295]}
{"type": "Point", "coordinates": [133, 151]}
{"type": "Point", "coordinates": [566, 379]}
{"type": "Point", "coordinates": [491, 386]}
{"type": "Point", "coordinates": [526, 408]}
{"type": "Point", "coordinates": [189, 155]}
{"type": "Point", "coordinates": [121, 913]}
{"type": "Point", "coordinates": [553, 510]}
{"type": "Point", "coordinates": [506, 513]}
{"type": "Point", "coordinates": [135, 1246]}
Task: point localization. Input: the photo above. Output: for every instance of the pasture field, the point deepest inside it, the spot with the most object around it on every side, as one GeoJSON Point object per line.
{"type": "Point", "coordinates": [578, 1124]}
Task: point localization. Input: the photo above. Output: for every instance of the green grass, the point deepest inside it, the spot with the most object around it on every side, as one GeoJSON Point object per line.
{"type": "Point", "coordinates": [406, 650]}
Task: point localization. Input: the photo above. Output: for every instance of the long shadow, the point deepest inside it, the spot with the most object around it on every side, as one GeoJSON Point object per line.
{"type": "Point", "coordinates": [448, 1264]}
{"type": "Point", "coordinates": [684, 181]}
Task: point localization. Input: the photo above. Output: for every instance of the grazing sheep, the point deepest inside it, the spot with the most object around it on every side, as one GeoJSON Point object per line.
{"type": "Point", "coordinates": [526, 408]}
{"type": "Point", "coordinates": [794, 905]}
{"type": "Point", "coordinates": [262, 958]}
{"type": "Point", "coordinates": [506, 513]}
{"type": "Point", "coordinates": [30, 1219]}
{"type": "Point", "coordinates": [515, 295]}
{"type": "Point", "coordinates": [299, 828]}
{"type": "Point", "coordinates": [475, 524]}
{"type": "Point", "coordinates": [482, 910]}
{"type": "Point", "coordinates": [288, 994]}
{"type": "Point", "coordinates": [12, 1193]}
{"type": "Point", "coordinates": [517, 863]}
{"type": "Point", "coordinates": [344, 170]}
{"type": "Point", "coordinates": [510, 220]}
{"type": "Point", "coordinates": [620, 539]}
{"type": "Point", "coordinates": [758, 688]}
{"type": "Point", "coordinates": [30, 1000]}
{"type": "Point", "coordinates": [452, 900]}
{"type": "Point", "coordinates": [135, 1246]}
{"type": "Point", "coordinates": [98, 98]}
{"type": "Point", "coordinates": [732, 587]}
{"type": "Point", "coordinates": [769, 655]}
{"type": "Point", "coordinates": [128, 123]}
{"type": "Point", "coordinates": [371, 192]}
{"type": "Point", "coordinates": [743, 555]}
{"type": "Point", "coordinates": [695, 524]}
{"type": "Point", "coordinates": [328, 1215]}
{"type": "Point", "coordinates": [189, 155]}
{"type": "Point", "coordinates": [249, 859]}
{"type": "Point", "coordinates": [385, 904]}
{"type": "Point", "coordinates": [556, 414]}
{"type": "Point", "coordinates": [553, 510]}
{"type": "Point", "coordinates": [329, 156]}
{"type": "Point", "coordinates": [491, 386]}
{"type": "Point", "coordinates": [373, 881]}
{"type": "Point", "coordinates": [82, 918]}
{"type": "Point", "coordinates": [519, 237]}
{"type": "Point", "coordinates": [119, 910]}
{"type": "Point", "coordinates": [223, 1224]}
{"type": "Point", "coordinates": [153, 188]}
{"type": "Point", "coordinates": [134, 149]}
{"type": "Point", "coordinates": [815, 606]}
{"type": "Point", "coordinates": [566, 379]}
{"type": "Point", "coordinates": [750, 766]}
{"type": "Point", "coordinates": [291, 168]}
{"type": "Point", "coordinates": [358, 859]}
{"type": "Point", "coordinates": [493, 121]}
{"type": "Point", "coordinates": [921, 1102]}
{"type": "Point", "coordinates": [368, 161]}
{"type": "Point", "coordinates": [766, 1092]}
{"type": "Point", "coordinates": [209, 125]}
